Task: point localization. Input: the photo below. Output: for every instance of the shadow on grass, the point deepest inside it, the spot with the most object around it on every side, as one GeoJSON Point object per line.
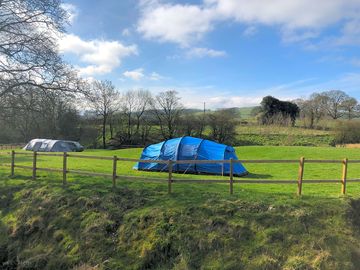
{"type": "Point", "coordinates": [257, 176]}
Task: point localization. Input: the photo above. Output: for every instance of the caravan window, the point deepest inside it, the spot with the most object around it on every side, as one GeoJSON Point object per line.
{"type": "Point", "coordinates": [43, 146]}
{"type": "Point", "coordinates": [72, 146]}
{"type": "Point", "coordinates": [37, 146]}
{"type": "Point", "coordinates": [63, 145]}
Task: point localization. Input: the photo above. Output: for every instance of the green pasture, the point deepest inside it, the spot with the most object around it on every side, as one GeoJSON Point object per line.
{"type": "Point", "coordinates": [89, 225]}
{"type": "Point", "coordinates": [257, 171]}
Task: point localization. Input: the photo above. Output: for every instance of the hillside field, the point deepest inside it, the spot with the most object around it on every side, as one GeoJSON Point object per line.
{"type": "Point", "coordinates": [272, 135]}
{"type": "Point", "coordinates": [88, 225]}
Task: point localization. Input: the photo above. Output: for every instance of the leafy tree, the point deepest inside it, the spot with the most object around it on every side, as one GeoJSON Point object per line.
{"type": "Point", "coordinates": [273, 108]}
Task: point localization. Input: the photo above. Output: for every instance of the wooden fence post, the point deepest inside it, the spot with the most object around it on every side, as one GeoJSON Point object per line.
{"type": "Point", "coordinates": [12, 163]}
{"type": "Point", "coordinates": [170, 167]}
{"type": "Point", "coordinates": [301, 175]}
{"type": "Point", "coordinates": [64, 168]}
{"type": "Point", "coordinates": [114, 171]}
{"type": "Point", "coordinates": [231, 175]}
{"type": "Point", "coordinates": [344, 176]}
{"type": "Point", "coordinates": [34, 165]}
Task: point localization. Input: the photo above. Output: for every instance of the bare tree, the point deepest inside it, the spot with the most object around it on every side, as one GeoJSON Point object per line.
{"type": "Point", "coordinates": [192, 124]}
{"type": "Point", "coordinates": [311, 109]}
{"type": "Point", "coordinates": [128, 107]}
{"type": "Point", "coordinates": [332, 102]}
{"type": "Point", "coordinates": [143, 103]}
{"type": "Point", "coordinates": [222, 124]}
{"type": "Point", "coordinates": [167, 108]}
{"type": "Point", "coordinates": [134, 105]}
{"type": "Point", "coordinates": [32, 112]}
{"type": "Point", "coordinates": [104, 99]}
{"type": "Point", "coordinates": [350, 107]}
{"type": "Point", "coordinates": [29, 32]}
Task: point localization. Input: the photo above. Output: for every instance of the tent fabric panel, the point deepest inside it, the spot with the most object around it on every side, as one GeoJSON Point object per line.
{"type": "Point", "coordinates": [238, 168]}
{"type": "Point", "coordinates": [151, 152]}
{"type": "Point", "coordinates": [188, 150]}
{"type": "Point", "coordinates": [209, 150]}
{"type": "Point", "coordinates": [170, 149]}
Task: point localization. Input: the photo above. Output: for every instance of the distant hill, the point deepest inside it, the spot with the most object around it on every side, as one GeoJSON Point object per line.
{"type": "Point", "coordinates": [245, 112]}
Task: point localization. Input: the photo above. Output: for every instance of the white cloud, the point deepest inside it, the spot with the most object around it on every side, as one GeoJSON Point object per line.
{"type": "Point", "coordinates": [250, 31]}
{"type": "Point", "coordinates": [181, 24]}
{"type": "Point", "coordinates": [290, 35]}
{"type": "Point", "coordinates": [297, 20]}
{"type": "Point", "coordinates": [204, 52]}
{"type": "Point", "coordinates": [71, 10]}
{"type": "Point", "coordinates": [234, 101]}
{"type": "Point", "coordinates": [290, 14]}
{"type": "Point", "coordinates": [350, 34]}
{"type": "Point", "coordinates": [126, 32]}
{"type": "Point", "coordinates": [102, 56]}
{"type": "Point", "coordinates": [139, 74]}
{"type": "Point", "coordinates": [136, 74]}
{"type": "Point", "coordinates": [155, 76]}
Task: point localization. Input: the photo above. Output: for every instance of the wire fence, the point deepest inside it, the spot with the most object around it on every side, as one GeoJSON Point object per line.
{"type": "Point", "coordinates": [170, 166]}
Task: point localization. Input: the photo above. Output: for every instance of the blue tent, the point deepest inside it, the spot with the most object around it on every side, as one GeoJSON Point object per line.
{"type": "Point", "coordinates": [190, 148]}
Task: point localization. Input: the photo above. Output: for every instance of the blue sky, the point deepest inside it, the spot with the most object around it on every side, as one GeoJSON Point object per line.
{"type": "Point", "coordinates": [223, 52]}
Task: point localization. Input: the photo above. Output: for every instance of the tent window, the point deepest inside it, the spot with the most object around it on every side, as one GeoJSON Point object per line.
{"type": "Point", "coordinates": [189, 150]}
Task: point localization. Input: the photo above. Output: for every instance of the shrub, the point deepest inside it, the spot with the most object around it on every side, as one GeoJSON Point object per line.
{"type": "Point", "coordinates": [347, 132]}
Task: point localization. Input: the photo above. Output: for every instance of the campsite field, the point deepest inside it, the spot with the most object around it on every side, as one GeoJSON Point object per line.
{"type": "Point", "coordinates": [88, 225]}
{"type": "Point", "coordinates": [257, 171]}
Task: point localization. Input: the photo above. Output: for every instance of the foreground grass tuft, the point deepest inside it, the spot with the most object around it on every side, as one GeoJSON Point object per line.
{"type": "Point", "coordinates": [90, 226]}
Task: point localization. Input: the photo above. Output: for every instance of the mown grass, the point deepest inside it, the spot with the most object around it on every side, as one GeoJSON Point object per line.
{"type": "Point", "coordinates": [89, 225]}
{"type": "Point", "coordinates": [257, 171]}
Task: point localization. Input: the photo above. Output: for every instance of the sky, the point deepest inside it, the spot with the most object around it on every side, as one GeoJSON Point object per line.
{"type": "Point", "coordinates": [227, 53]}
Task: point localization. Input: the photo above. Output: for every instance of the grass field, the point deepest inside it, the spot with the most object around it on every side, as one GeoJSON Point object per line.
{"type": "Point", "coordinates": [282, 136]}
{"type": "Point", "coordinates": [257, 171]}
{"type": "Point", "coordinates": [88, 225]}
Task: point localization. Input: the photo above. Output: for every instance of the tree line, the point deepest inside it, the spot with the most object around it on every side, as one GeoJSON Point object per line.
{"type": "Point", "coordinates": [333, 104]}
{"type": "Point", "coordinates": [137, 117]}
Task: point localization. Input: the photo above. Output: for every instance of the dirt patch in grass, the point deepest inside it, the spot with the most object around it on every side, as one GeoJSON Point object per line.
{"type": "Point", "coordinates": [353, 145]}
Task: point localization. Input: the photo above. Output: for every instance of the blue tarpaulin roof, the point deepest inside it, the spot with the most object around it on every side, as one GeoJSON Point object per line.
{"type": "Point", "coordinates": [190, 148]}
